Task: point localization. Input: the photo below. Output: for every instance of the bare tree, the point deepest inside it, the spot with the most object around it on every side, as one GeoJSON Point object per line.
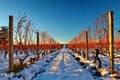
{"type": "Point", "coordinates": [4, 35]}
{"type": "Point", "coordinates": [22, 19]}
{"type": "Point", "coordinates": [22, 34]}
{"type": "Point", "coordinates": [27, 32]}
{"type": "Point", "coordinates": [101, 26]}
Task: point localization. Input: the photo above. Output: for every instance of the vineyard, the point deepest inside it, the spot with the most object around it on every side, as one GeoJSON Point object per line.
{"type": "Point", "coordinates": [29, 54]}
{"type": "Point", "coordinates": [21, 46]}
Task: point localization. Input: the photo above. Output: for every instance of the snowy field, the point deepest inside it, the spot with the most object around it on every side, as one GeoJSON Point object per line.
{"type": "Point", "coordinates": [26, 73]}
{"type": "Point", "coordinates": [64, 67]}
{"type": "Point", "coordinates": [100, 73]}
{"type": "Point", "coordinates": [61, 65]}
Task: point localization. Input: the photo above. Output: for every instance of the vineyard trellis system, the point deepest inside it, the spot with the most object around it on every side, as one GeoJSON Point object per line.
{"type": "Point", "coordinates": [102, 38]}
{"type": "Point", "coordinates": [24, 38]}
{"type": "Point", "coordinates": [21, 39]}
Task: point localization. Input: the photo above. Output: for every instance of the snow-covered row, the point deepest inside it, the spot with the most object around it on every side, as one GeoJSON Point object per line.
{"type": "Point", "coordinates": [104, 71]}
{"type": "Point", "coordinates": [31, 71]}
{"type": "Point", "coordinates": [64, 67]}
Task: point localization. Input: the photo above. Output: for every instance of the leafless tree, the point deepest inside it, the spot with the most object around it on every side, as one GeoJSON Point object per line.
{"type": "Point", "coordinates": [22, 34]}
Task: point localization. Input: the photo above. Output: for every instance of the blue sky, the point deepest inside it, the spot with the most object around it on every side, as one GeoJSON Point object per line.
{"type": "Point", "coordinates": [62, 19]}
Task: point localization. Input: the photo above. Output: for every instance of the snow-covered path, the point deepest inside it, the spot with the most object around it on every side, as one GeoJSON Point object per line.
{"type": "Point", "coordinates": [64, 67]}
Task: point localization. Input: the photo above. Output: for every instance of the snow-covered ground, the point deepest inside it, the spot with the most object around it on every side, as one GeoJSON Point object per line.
{"type": "Point", "coordinates": [61, 65]}
{"type": "Point", "coordinates": [100, 73]}
{"type": "Point", "coordinates": [64, 67]}
{"type": "Point", "coordinates": [26, 73]}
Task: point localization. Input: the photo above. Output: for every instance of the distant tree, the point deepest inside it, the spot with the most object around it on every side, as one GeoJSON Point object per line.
{"type": "Point", "coordinates": [4, 35]}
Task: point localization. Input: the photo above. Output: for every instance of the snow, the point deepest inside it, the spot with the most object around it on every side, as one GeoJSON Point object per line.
{"type": "Point", "coordinates": [64, 67]}
{"type": "Point", "coordinates": [104, 71]}
{"type": "Point", "coordinates": [30, 72]}
{"type": "Point", "coordinates": [60, 65]}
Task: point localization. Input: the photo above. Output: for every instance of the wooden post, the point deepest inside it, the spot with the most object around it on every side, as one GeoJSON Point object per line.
{"type": "Point", "coordinates": [119, 38]}
{"type": "Point", "coordinates": [87, 44]}
{"type": "Point", "coordinates": [10, 43]}
{"type": "Point", "coordinates": [37, 45]}
{"type": "Point", "coordinates": [111, 41]}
